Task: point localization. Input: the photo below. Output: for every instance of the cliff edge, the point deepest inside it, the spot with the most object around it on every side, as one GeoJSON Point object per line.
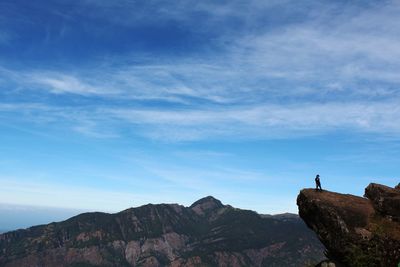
{"type": "Point", "coordinates": [356, 231]}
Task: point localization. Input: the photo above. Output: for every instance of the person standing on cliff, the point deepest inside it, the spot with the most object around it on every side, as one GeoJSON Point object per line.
{"type": "Point", "coordinates": [317, 183]}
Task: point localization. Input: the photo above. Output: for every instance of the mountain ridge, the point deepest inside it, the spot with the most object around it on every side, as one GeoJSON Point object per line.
{"type": "Point", "coordinates": [208, 233]}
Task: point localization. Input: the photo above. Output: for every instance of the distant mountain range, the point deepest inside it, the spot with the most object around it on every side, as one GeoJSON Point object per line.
{"type": "Point", "coordinates": [207, 233]}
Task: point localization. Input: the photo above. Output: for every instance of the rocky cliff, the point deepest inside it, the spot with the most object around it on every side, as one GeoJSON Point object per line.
{"type": "Point", "coordinates": [356, 231]}
{"type": "Point", "coordinates": [207, 233]}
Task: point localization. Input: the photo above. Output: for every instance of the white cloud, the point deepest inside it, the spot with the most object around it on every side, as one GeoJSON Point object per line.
{"type": "Point", "coordinates": [60, 83]}
{"type": "Point", "coordinates": [91, 128]}
{"type": "Point", "coordinates": [355, 46]}
{"type": "Point", "coordinates": [269, 121]}
{"type": "Point", "coordinates": [325, 73]}
{"type": "Point", "coordinates": [243, 122]}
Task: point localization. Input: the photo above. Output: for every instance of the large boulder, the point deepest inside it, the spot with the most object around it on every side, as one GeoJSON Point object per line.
{"type": "Point", "coordinates": [397, 187]}
{"type": "Point", "coordinates": [354, 233]}
{"type": "Point", "coordinates": [386, 200]}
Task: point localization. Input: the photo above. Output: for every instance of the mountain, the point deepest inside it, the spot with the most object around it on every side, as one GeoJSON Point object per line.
{"type": "Point", "coordinates": [207, 233]}
{"type": "Point", "coordinates": [356, 231]}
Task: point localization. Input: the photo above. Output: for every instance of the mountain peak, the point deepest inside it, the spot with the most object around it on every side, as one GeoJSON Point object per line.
{"type": "Point", "coordinates": [206, 205]}
{"type": "Point", "coordinates": [206, 234]}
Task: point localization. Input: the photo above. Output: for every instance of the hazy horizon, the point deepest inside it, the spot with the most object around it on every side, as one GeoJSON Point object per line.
{"type": "Point", "coordinates": [15, 217]}
{"type": "Point", "coordinates": [110, 104]}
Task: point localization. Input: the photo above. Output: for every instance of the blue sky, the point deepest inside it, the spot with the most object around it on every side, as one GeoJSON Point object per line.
{"type": "Point", "coordinates": [111, 104]}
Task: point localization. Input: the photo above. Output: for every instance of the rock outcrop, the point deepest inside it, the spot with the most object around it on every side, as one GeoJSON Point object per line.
{"type": "Point", "coordinates": [386, 200]}
{"type": "Point", "coordinates": [206, 234]}
{"type": "Point", "coordinates": [356, 231]}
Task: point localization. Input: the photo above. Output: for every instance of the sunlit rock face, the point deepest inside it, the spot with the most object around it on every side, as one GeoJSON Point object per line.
{"type": "Point", "coordinates": [207, 233]}
{"type": "Point", "coordinates": [356, 231]}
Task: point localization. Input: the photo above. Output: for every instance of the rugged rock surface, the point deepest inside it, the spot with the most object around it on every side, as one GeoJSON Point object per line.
{"type": "Point", "coordinates": [386, 200]}
{"type": "Point", "coordinates": [356, 231]}
{"type": "Point", "coordinates": [206, 234]}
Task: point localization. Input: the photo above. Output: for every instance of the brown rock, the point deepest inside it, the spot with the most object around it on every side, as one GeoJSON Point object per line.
{"type": "Point", "coordinates": [386, 200]}
{"type": "Point", "coordinates": [350, 228]}
{"type": "Point", "coordinates": [397, 187]}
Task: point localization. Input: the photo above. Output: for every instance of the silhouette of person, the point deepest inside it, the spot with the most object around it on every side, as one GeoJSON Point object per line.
{"type": "Point", "coordinates": [317, 183]}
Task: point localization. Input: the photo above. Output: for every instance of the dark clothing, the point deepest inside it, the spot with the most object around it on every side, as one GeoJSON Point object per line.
{"type": "Point", "coordinates": [317, 183]}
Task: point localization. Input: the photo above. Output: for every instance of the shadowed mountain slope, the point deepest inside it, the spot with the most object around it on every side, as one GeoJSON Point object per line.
{"type": "Point", "coordinates": [207, 233]}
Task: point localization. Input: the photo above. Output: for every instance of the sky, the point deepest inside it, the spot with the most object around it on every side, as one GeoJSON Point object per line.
{"type": "Point", "coordinates": [106, 105]}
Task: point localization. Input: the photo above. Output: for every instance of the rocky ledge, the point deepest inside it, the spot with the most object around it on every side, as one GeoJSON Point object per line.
{"type": "Point", "coordinates": [356, 231]}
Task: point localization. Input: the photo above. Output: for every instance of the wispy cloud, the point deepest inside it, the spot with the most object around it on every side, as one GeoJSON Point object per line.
{"type": "Point", "coordinates": [245, 122]}
{"type": "Point", "coordinates": [156, 77]}
{"type": "Point", "coordinates": [321, 72]}
{"type": "Point", "coordinates": [357, 46]}
{"type": "Point", "coordinates": [269, 121]}
{"type": "Point", "coordinates": [61, 84]}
